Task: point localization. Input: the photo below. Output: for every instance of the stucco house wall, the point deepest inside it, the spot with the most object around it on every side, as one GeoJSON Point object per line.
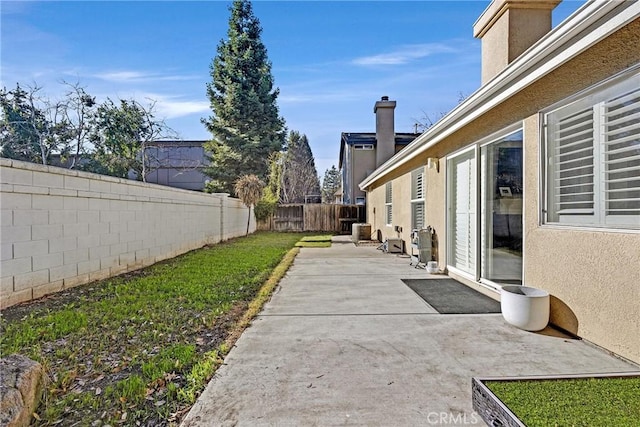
{"type": "Point", "coordinates": [593, 275]}
{"type": "Point", "coordinates": [375, 212]}
{"type": "Point", "coordinates": [363, 161]}
{"type": "Point", "coordinates": [436, 214]}
{"type": "Point", "coordinates": [401, 209]}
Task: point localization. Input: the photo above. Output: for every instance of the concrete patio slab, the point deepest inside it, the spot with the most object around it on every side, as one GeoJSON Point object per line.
{"type": "Point", "coordinates": [344, 342]}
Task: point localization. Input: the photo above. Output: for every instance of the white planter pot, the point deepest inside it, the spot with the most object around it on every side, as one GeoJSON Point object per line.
{"type": "Point", "coordinates": [524, 307]}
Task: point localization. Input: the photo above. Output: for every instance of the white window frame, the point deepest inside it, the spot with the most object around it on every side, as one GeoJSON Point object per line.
{"type": "Point", "coordinates": [418, 191]}
{"type": "Point", "coordinates": [592, 104]}
{"type": "Point", "coordinates": [367, 147]}
{"type": "Point", "coordinates": [388, 204]}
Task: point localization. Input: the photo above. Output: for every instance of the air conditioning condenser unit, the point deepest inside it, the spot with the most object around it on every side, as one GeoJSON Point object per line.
{"type": "Point", "coordinates": [360, 232]}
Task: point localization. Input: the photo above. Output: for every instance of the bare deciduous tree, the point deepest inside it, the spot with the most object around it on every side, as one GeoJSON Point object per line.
{"type": "Point", "coordinates": [78, 109]}
{"type": "Point", "coordinates": [32, 127]}
{"type": "Point", "coordinates": [426, 121]}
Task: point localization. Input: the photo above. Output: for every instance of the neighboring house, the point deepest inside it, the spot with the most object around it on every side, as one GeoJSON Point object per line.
{"type": "Point", "coordinates": [174, 163]}
{"type": "Point", "coordinates": [535, 178]}
{"type": "Point", "coordinates": [361, 153]}
{"type": "Point", "coordinates": [178, 164]}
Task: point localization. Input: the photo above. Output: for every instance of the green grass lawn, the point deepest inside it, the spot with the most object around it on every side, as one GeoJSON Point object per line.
{"type": "Point", "coordinates": [572, 402]}
{"type": "Point", "coordinates": [322, 241]}
{"type": "Point", "coordinates": [138, 349]}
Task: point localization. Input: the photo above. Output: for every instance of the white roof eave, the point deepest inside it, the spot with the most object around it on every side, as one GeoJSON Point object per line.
{"type": "Point", "coordinates": [556, 48]}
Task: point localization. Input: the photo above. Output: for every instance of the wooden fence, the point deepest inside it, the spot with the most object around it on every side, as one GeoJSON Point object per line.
{"type": "Point", "coordinates": [314, 217]}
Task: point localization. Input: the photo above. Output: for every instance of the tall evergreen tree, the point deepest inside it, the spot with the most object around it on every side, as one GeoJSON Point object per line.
{"type": "Point", "coordinates": [299, 174]}
{"type": "Point", "coordinates": [331, 183]}
{"type": "Point", "coordinates": [245, 125]}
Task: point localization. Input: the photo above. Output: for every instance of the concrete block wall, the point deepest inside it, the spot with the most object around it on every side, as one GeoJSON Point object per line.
{"type": "Point", "coordinates": [62, 228]}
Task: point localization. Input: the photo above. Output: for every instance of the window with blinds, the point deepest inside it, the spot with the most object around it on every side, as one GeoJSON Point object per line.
{"type": "Point", "coordinates": [388, 203]}
{"type": "Point", "coordinates": [417, 215]}
{"type": "Point", "coordinates": [417, 199]}
{"type": "Point", "coordinates": [593, 158]}
{"type": "Point", "coordinates": [621, 160]}
{"type": "Point", "coordinates": [572, 155]}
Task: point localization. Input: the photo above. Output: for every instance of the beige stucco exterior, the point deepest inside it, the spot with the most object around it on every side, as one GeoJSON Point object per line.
{"type": "Point", "coordinates": [362, 163]}
{"type": "Point", "coordinates": [508, 28]}
{"type": "Point", "coordinates": [593, 275]}
{"type": "Point", "coordinates": [435, 214]}
{"type": "Point", "coordinates": [385, 129]}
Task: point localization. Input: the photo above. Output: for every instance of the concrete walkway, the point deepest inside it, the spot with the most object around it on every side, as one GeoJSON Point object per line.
{"type": "Point", "coordinates": [344, 342]}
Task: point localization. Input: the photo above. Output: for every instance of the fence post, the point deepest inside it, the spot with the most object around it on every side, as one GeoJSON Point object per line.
{"type": "Point", "coordinates": [223, 199]}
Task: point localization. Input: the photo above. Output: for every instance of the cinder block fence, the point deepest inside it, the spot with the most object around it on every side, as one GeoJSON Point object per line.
{"type": "Point", "coordinates": [62, 228]}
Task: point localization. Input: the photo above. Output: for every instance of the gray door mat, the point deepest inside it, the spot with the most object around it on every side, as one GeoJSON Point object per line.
{"type": "Point", "coordinates": [449, 296]}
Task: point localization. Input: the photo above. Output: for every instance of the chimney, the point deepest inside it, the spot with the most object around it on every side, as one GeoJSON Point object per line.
{"type": "Point", "coordinates": [385, 132]}
{"type": "Point", "coordinates": [509, 27]}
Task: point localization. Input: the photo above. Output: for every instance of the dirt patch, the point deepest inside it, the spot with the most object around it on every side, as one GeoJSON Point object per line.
{"type": "Point", "coordinates": [92, 366]}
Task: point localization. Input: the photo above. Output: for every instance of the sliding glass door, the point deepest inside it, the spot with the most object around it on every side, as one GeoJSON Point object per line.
{"type": "Point", "coordinates": [501, 207]}
{"type": "Point", "coordinates": [487, 178]}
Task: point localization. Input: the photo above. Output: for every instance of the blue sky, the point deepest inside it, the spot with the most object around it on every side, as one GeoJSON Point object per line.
{"type": "Point", "coordinates": [331, 59]}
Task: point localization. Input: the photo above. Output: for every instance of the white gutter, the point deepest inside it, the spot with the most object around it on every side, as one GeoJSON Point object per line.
{"type": "Point", "coordinates": [556, 48]}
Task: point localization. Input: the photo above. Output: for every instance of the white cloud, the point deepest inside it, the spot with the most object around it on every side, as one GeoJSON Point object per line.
{"type": "Point", "coordinates": [138, 76]}
{"type": "Point", "coordinates": [172, 109]}
{"type": "Point", "coordinates": [404, 54]}
{"type": "Point", "coordinates": [120, 76]}
{"type": "Point", "coordinates": [299, 96]}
